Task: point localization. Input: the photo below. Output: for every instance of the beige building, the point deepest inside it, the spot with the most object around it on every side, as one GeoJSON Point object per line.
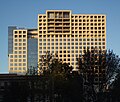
{"type": "Point", "coordinates": [24, 50]}
{"type": "Point", "coordinates": [65, 34]}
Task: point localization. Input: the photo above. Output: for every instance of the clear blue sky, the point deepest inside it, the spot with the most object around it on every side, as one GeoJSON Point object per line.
{"type": "Point", "coordinates": [23, 13]}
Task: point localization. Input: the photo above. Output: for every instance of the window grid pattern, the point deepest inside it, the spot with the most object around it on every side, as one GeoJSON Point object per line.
{"type": "Point", "coordinates": [87, 31]}
{"type": "Point", "coordinates": [18, 60]}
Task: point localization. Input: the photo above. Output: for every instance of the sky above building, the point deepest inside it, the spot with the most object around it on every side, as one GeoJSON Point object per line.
{"type": "Point", "coordinates": [24, 13]}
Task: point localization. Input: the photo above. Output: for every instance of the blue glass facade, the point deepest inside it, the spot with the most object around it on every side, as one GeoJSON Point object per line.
{"type": "Point", "coordinates": [32, 53]}
{"type": "Point", "coordinates": [10, 39]}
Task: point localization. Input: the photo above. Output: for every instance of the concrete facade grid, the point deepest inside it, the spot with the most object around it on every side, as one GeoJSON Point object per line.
{"type": "Point", "coordinates": [74, 34]}
{"type": "Point", "coordinates": [59, 32]}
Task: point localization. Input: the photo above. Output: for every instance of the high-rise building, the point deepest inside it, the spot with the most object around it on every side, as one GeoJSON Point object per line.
{"type": "Point", "coordinates": [24, 53]}
{"type": "Point", "coordinates": [61, 33]}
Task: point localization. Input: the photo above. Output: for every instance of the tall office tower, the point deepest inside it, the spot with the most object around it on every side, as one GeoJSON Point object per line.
{"type": "Point", "coordinates": [59, 32]}
{"type": "Point", "coordinates": [23, 55]}
{"type": "Point", "coordinates": [67, 35]}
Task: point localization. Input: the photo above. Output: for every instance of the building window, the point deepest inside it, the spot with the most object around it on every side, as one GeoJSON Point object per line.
{"type": "Point", "coordinates": [15, 64]}
{"type": "Point", "coordinates": [84, 43]}
{"type": "Point", "coordinates": [24, 56]}
{"type": "Point", "coordinates": [20, 36]}
{"type": "Point", "coordinates": [68, 51]}
{"type": "Point", "coordinates": [72, 47]}
{"type": "Point", "coordinates": [44, 43]}
{"type": "Point", "coordinates": [11, 64]}
{"type": "Point", "coordinates": [20, 64]}
{"type": "Point", "coordinates": [15, 40]}
{"type": "Point", "coordinates": [24, 52]}
{"type": "Point", "coordinates": [24, 64]}
{"type": "Point", "coordinates": [11, 56]}
{"type": "Point", "coordinates": [20, 32]}
{"type": "Point", "coordinates": [16, 44]}
{"type": "Point", "coordinates": [15, 56]}
{"type": "Point", "coordinates": [24, 68]}
{"type": "Point", "coordinates": [24, 31]}
{"type": "Point", "coordinates": [20, 48]}
{"type": "Point", "coordinates": [20, 44]}
{"type": "Point", "coordinates": [68, 43]}
{"type": "Point", "coordinates": [20, 60]}
{"type": "Point", "coordinates": [15, 36]}
{"type": "Point", "coordinates": [76, 47]}
{"type": "Point", "coordinates": [15, 52]}
{"type": "Point", "coordinates": [76, 51]}
{"type": "Point", "coordinates": [24, 36]}
{"type": "Point", "coordinates": [44, 47]}
{"type": "Point", "coordinates": [24, 60]}
{"type": "Point", "coordinates": [15, 32]}
{"type": "Point", "coordinates": [88, 43]}
{"type": "Point", "coordinates": [84, 39]}
{"type": "Point", "coordinates": [11, 60]}
{"type": "Point", "coordinates": [72, 43]}
{"type": "Point", "coordinates": [76, 43]}
{"type": "Point", "coordinates": [80, 47]}
{"type": "Point", "coordinates": [20, 68]}
{"type": "Point", "coordinates": [72, 39]}
{"type": "Point", "coordinates": [24, 44]}
{"type": "Point", "coordinates": [64, 47]}
{"type": "Point", "coordinates": [80, 43]}
{"type": "Point", "coordinates": [20, 52]}
{"type": "Point", "coordinates": [11, 68]}
{"type": "Point", "coordinates": [68, 55]}
{"type": "Point", "coordinates": [20, 56]}
{"type": "Point", "coordinates": [52, 47]}
{"type": "Point", "coordinates": [103, 43]}
{"type": "Point", "coordinates": [24, 48]}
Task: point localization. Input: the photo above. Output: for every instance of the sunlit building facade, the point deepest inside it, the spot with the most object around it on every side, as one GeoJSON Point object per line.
{"type": "Point", "coordinates": [24, 52]}
{"type": "Point", "coordinates": [61, 33]}
{"type": "Point", "coordinates": [67, 35]}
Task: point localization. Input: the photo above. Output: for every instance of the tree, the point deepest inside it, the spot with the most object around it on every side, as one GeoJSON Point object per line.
{"type": "Point", "coordinates": [67, 85]}
{"type": "Point", "coordinates": [59, 72]}
{"type": "Point", "coordinates": [115, 90]}
{"type": "Point", "coordinates": [32, 71]}
{"type": "Point", "coordinates": [44, 62]}
{"type": "Point", "coordinates": [112, 66]}
{"type": "Point", "coordinates": [98, 69]}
